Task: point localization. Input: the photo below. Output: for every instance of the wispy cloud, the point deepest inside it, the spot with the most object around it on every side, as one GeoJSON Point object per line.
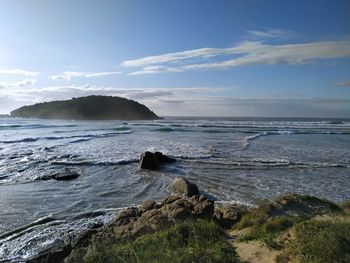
{"type": "Point", "coordinates": [18, 72]}
{"type": "Point", "coordinates": [156, 69]}
{"type": "Point", "coordinates": [243, 54]}
{"type": "Point", "coordinates": [18, 84]}
{"type": "Point", "coordinates": [270, 34]}
{"type": "Point", "coordinates": [343, 84]}
{"type": "Point", "coordinates": [68, 75]}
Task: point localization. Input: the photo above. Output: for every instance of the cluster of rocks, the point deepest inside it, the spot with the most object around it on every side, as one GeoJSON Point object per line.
{"type": "Point", "coordinates": [184, 204]}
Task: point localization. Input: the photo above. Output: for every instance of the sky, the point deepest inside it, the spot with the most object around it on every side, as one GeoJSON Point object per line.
{"type": "Point", "coordinates": [242, 58]}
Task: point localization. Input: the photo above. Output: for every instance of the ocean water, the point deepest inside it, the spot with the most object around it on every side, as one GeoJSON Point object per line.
{"type": "Point", "coordinates": [240, 160]}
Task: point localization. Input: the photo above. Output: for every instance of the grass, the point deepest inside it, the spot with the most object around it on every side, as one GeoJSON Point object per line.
{"type": "Point", "coordinates": [256, 216]}
{"type": "Point", "coordinates": [319, 241]}
{"type": "Point", "coordinates": [269, 230]}
{"type": "Point", "coordinates": [186, 242]}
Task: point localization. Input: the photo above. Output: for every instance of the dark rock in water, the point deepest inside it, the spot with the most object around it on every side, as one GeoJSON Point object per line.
{"type": "Point", "coordinates": [164, 158]}
{"type": "Point", "coordinates": [226, 216]}
{"type": "Point", "coordinates": [184, 187]}
{"type": "Point", "coordinates": [149, 161]}
{"type": "Point", "coordinates": [64, 175]}
{"type": "Point", "coordinates": [152, 161]}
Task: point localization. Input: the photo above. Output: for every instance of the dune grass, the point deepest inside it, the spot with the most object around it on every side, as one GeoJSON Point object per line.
{"type": "Point", "coordinates": [319, 241]}
{"type": "Point", "coordinates": [186, 242]}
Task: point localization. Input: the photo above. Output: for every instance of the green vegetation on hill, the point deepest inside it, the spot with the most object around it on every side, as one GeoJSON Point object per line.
{"type": "Point", "coordinates": [88, 108]}
{"type": "Point", "coordinates": [187, 242]}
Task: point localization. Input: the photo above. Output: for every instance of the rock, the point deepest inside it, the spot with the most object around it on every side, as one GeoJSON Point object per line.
{"type": "Point", "coordinates": [126, 217]}
{"type": "Point", "coordinates": [203, 209]}
{"type": "Point", "coordinates": [184, 187]}
{"type": "Point", "coordinates": [156, 218]}
{"type": "Point", "coordinates": [227, 216]}
{"type": "Point", "coordinates": [170, 199]}
{"type": "Point", "coordinates": [149, 161]}
{"type": "Point", "coordinates": [175, 212]}
{"type": "Point", "coordinates": [63, 175]}
{"type": "Point", "coordinates": [162, 158]}
{"type": "Point", "coordinates": [147, 205]}
{"type": "Point", "coordinates": [141, 228]}
{"type": "Point", "coordinates": [152, 161]}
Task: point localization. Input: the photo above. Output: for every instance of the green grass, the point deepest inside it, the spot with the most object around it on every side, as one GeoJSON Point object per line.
{"type": "Point", "coordinates": [269, 230]}
{"type": "Point", "coordinates": [319, 241]}
{"type": "Point", "coordinates": [256, 216]}
{"type": "Point", "coordinates": [186, 242]}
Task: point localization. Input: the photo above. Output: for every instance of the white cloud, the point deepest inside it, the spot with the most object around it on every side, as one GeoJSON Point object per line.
{"type": "Point", "coordinates": [68, 75]}
{"type": "Point", "coordinates": [244, 54]}
{"type": "Point", "coordinates": [18, 72]}
{"type": "Point", "coordinates": [18, 84]}
{"type": "Point", "coordinates": [155, 69]}
{"type": "Point", "coordinates": [343, 84]}
{"type": "Point", "coordinates": [270, 34]}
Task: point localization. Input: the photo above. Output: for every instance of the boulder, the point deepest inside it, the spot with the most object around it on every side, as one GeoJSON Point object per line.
{"type": "Point", "coordinates": [147, 205]}
{"type": "Point", "coordinates": [149, 161]}
{"type": "Point", "coordinates": [162, 158]}
{"type": "Point", "coordinates": [226, 216]}
{"type": "Point", "coordinates": [156, 219]}
{"type": "Point", "coordinates": [184, 187]}
{"type": "Point", "coordinates": [175, 212]}
{"type": "Point", "coordinates": [170, 199]}
{"type": "Point", "coordinates": [204, 208]}
{"type": "Point", "coordinates": [126, 217]}
{"type": "Point", "coordinates": [152, 161]}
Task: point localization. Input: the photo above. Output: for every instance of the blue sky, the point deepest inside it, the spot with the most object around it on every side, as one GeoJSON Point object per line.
{"type": "Point", "coordinates": [188, 58]}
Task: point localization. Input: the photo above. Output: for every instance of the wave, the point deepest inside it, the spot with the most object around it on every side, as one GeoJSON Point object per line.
{"type": "Point", "coordinates": [286, 132]}
{"type": "Point", "coordinates": [34, 139]}
{"type": "Point", "coordinates": [264, 164]}
{"type": "Point", "coordinates": [27, 242]}
{"type": "Point", "coordinates": [33, 126]}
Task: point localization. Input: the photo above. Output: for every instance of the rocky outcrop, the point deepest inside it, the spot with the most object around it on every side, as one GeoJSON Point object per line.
{"type": "Point", "coordinates": [184, 187]}
{"type": "Point", "coordinates": [134, 222]}
{"type": "Point", "coordinates": [185, 204]}
{"type": "Point", "coordinates": [153, 161]}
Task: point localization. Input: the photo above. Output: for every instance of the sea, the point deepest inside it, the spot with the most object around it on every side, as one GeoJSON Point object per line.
{"type": "Point", "coordinates": [233, 160]}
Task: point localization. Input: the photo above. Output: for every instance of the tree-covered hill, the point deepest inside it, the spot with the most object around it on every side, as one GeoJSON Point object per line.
{"type": "Point", "coordinates": [88, 108]}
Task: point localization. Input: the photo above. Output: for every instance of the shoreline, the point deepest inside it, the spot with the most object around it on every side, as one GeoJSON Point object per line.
{"type": "Point", "coordinates": [150, 218]}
